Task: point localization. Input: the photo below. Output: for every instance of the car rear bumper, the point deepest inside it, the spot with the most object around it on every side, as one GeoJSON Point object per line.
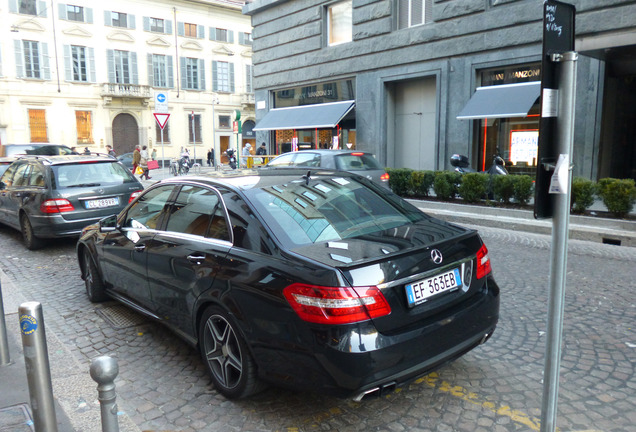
{"type": "Point", "coordinates": [51, 226]}
{"type": "Point", "coordinates": [358, 360]}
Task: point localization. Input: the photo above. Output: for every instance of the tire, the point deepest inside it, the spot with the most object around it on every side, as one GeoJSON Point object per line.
{"type": "Point", "coordinates": [226, 355]}
{"type": "Point", "coordinates": [30, 240]}
{"type": "Point", "coordinates": [93, 281]}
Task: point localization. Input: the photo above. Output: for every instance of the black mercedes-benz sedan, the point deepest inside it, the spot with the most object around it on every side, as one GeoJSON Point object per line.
{"type": "Point", "coordinates": [314, 280]}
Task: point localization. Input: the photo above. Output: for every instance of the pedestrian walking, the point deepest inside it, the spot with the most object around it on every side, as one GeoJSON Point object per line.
{"type": "Point", "coordinates": [262, 150]}
{"type": "Point", "coordinates": [110, 151]}
{"type": "Point", "coordinates": [143, 162]}
{"type": "Point", "coordinates": [153, 156]}
{"type": "Point", "coordinates": [136, 159]}
{"type": "Point", "coordinates": [211, 157]}
{"type": "Point", "coordinates": [245, 152]}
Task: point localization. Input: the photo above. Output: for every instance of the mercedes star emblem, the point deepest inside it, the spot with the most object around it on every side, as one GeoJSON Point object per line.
{"type": "Point", "coordinates": [436, 256]}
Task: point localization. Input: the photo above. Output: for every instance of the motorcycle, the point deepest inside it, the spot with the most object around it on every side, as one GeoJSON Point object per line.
{"type": "Point", "coordinates": [461, 164]}
{"type": "Point", "coordinates": [231, 158]}
{"type": "Point", "coordinates": [184, 165]}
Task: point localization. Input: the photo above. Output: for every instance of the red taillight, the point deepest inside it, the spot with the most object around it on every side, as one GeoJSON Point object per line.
{"type": "Point", "coordinates": [56, 206]}
{"type": "Point", "coordinates": [483, 262]}
{"type": "Point", "coordinates": [357, 154]}
{"type": "Point", "coordinates": [134, 195]}
{"type": "Point", "coordinates": [330, 305]}
{"type": "Point", "coordinates": [384, 177]}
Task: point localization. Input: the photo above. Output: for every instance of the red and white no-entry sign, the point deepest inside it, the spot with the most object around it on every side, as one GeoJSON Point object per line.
{"type": "Point", "coordinates": [162, 119]}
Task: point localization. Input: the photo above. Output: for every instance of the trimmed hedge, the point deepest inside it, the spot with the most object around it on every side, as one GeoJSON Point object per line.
{"type": "Point", "coordinates": [583, 194]}
{"type": "Point", "coordinates": [618, 195]}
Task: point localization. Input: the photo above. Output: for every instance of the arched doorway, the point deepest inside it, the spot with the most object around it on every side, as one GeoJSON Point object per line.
{"type": "Point", "coordinates": [125, 133]}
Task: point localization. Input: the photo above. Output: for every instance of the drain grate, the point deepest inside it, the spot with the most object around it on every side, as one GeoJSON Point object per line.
{"type": "Point", "coordinates": [120, 317]}
{"type": "Point", "coordinates": [16, 418]}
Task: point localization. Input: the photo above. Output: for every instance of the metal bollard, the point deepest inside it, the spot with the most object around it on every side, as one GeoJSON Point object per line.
{"type": "Point", "coordinates": [104, 370]}
{"type": "Point", "coordinates": [36, 358]}
{"type": "Point", "coordinates": [4, 341]}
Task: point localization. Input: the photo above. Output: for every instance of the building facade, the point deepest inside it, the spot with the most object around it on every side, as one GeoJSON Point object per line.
{"type": "Point", "coordinates": [424, 76]}
{"type": "Point", "coordinates": [87, 74]}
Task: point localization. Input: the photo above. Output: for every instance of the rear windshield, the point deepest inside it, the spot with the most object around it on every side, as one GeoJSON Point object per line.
{"type": "Point", "coordinates": [90, 174]}
{"type": "Point", "coordinates": [328, 209]}
{"type": "Point", "coordinates": [357, 162]}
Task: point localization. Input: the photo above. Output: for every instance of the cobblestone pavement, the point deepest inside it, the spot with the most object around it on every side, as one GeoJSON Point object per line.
{"type": "Point", "coordinates": [162, 385]}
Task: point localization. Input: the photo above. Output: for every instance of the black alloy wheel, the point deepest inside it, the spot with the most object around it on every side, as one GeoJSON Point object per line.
{"type": "Point", "coordinates": [226, 355]}
{"type": "Point", "coordinates": [30, 240]}
{"type": "Point", "coordinates": [94, 285]}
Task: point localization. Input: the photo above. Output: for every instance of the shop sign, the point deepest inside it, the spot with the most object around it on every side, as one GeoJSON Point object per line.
{"type": "Point", "coordinates": [334, 91]}
{"type": "Point", "coordinates": [511, 75]}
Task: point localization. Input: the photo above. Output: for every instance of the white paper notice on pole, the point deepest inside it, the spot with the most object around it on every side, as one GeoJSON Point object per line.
{"type": "Point", "coordinates": [560, 179]}
{"type": "Point", "coordinates": [549, 102]}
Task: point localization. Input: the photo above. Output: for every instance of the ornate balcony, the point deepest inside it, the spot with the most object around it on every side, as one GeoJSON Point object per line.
{"type": "Point", "coordinates": [130, 91]}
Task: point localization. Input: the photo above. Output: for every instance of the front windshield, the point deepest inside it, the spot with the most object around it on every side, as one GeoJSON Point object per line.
{"type": "Point", "coordinates": [328, 209]}
{"type": "Point", "coordinates": [90, 174]}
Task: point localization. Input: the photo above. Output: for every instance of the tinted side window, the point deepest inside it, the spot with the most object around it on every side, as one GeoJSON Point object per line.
{"type": "Point", "coordinates": [307, 159]}
{"type": "Point", "coordinates": [248, 232]}
{"type": "Point", "coordinates": [36, 176]}
{"type": "Point", "coordinates": [282, 160]}
{"type": "Point", "coordinates": [7, 177]}
{"type": "Point", "coordinates": [198, 211]}
{"type": "Point", "coordinates": [21, 176]}
{"type": "Point", "coordinates": [149, 210]}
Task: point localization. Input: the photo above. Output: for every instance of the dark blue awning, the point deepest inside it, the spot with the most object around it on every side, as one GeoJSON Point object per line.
{"type": "Point", "coordinates": [326, 115]}
{"type": "Point", "coordinates": [501, 101]}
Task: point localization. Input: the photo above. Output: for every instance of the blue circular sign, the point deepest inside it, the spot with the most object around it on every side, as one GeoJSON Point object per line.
{"type": "Point", "coordinates": [161, 97]}
{"type": "Point", "coordinates": [28, 324]}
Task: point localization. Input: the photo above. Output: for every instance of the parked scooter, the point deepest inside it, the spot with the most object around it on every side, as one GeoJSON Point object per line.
{"type": "Point", "coordinates": [231, 158]}
{"type": "Point", "coordinates": [461, 164]}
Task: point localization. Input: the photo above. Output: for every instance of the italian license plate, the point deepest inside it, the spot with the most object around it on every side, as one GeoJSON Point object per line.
{"type": "Point", "coordinates": [101, 203]}
{"type": "Point", "coordinates": [421, 291]}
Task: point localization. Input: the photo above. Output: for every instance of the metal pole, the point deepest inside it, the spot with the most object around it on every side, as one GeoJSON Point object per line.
{"type": "Point", "coordinates": [104, 370]}
{"type": "Point", "coordinates": [36, 358]}
{"type": "Point", "coordinates": [558, 261]}
{"type": "Point", "coordinates": [4, 341]}
{"type": "Point", "coordinates": [163, 156]}
{"type": "Point", "coordinates": [194, 140]}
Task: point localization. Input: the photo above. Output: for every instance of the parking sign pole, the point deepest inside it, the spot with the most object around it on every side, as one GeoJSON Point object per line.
{"type": "Point", "coordinates": [561, 221]}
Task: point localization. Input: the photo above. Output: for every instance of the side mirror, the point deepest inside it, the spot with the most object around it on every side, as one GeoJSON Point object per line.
{"type": "Point", "coordinates": [108, 224]}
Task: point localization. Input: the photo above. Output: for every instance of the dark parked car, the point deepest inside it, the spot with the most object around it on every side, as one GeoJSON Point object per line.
{"type": "Point", "coordinates": [5, 162]}
{"type": "Point", "coordinates": [34, 149]}
{"type": "Point", "coordinates": [317, 281]}
{"type": "Point", "coordinates": [126, 159]}
{"type": "Point", "coordinates": [57, 196]}
{"type": "Point", "coordinates": [357, 162]}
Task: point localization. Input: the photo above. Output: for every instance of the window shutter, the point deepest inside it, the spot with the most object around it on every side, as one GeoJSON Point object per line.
{"type": "Point", "coordinates": [180, 28]}
{"type": "Point", "coordinates": [212, 31]}
{"type": "Point", "coordinates": [151, 70]}
{"type": "Point", "coordinates": [215, 76]}
{"type": "Point", "coordinates": [184, 79]}
{"type": "Point", "coordinates": [19, 59]}
{"type": "Point", "coordinates": [170, 82]}
{"type": "Point", "coordinates": [88, 16]}
{"type": "Point", "coordinates": [428, 11]}
{"type": "Point", "coordinates": [44, 60]}
{"type": "Point", "coordinates": [13, 6]}
{"type": "Point", "coordinates": [417, 9]}
{"type": "Point", "coordinates": [133, 66]}
{"type": "Point", "coordinates": [241, 38]}
{"type": "Point", "coordinates": [200, 32]}
{"type": "Point", "coordinates": [42, 9]}
{"type": "Point", "coordinates": [201, 74]}
{"type": "Point", "coordinates": [108, 21]}
{"type": "Point", "coordinates": [68, 63]}
{"type": "Point", "coordinates": [91, 65]}
{"type": "Point", "coordinates": [146, 23]}
{"type": "Point", "coordinates": [248, 78]}
{"type": "Point", "coordinates": [110, 59]}
{"type": "Point", "coordinates": [231, 77]}
{"type": "Point", "coordinates": [61, 8]}
{"type": "Point", "coordinates": [230, 36]}
{"type": "Point", "coordinates": [168, 27]}
{"type": "Point", "coordinates": [131, 21]}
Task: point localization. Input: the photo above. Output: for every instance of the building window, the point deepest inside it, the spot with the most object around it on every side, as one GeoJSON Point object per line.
{"type": "Point", "coordinates": [122, 67]}
{"type": "Point", "coordinates": [75, 13]}
{"type": "Point", "coordinates": [221, 35]}
{"type": "Point", "coordinates": [194, 126]}
{"type": "Point", "coordinates": [224, 121]}
{"type": "Point", "coordinates": [339, 22]}
{"type": "Point", "coordinates": [84, 122]}
{"type": "Point", "coordinates": [223, 76]}
{"type": "Point", "coordinates": [245, 38]}
{"type": "Point", "coordinates": [192, 75]}
{"type": "Point", "coordinates": [249, 72]}
{"type": "Point", "coordinates": [119, 19]}
{"type": "Point", "coordinates": [37, 125]}
{"type": "Point", "coordinates": [31, 59]}
{"type": "Point", "coordinates": [413, 12]}
{"type": "Point", "coordinates": [28, 7]}
{"type": "Point", "coordinates": [78, 61]}
{"type": "Point", "coordinates": [157, 25]}
{"type": "Point", "coordinates": [166, 133]}
{"type": "Point", "coordinates": [190, 30]}
{"type": "Point", "coordinates": [160, 71]}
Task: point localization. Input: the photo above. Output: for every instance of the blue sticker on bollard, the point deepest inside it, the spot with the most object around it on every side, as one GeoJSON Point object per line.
{"type": "Point", "coordinates": [28, 324]}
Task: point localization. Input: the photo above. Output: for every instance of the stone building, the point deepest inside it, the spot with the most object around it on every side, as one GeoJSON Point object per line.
{"type": "Point", "coordinates": [400, 78]}
{"type": "Point", "coordinates": [86, 74]}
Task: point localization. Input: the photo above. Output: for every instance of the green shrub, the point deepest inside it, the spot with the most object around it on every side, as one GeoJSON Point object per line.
{"type": "Point", "coordinates": [583, 194]}
{"type": "Point", "coordinates": [503, 187]}
{"type": "Point", "coordinates": [421, 182]}
{"type": "Point", "coordinates": [445, 184]}
{"type": "Point", "coordinates": [473, 186]}
{"type": "Point", "coordinates": [523, 188]}
{"type": "Point", "coordinates": [400, 180]}
{"type": "Point", "coordinates": [618, 195]}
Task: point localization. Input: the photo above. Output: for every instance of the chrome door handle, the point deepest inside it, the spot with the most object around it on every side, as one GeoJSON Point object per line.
{"type": "Point", "coordinates": [196, 259]}
{"type": "Point", "coordinates": [140, 247]}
